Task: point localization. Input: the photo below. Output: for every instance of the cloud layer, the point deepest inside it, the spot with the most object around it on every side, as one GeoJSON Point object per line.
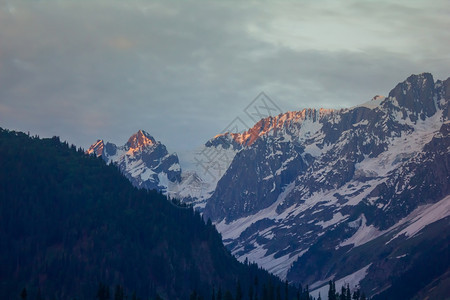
{"type": "Point", "coordinates": [183, 70]}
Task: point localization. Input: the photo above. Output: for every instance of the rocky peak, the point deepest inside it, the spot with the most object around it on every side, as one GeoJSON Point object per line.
{"type": "Point", "coordinates": [140, 140]}
{"type": "Point", "coordinates": [225, 140]}
{"type": "Point", "coordinates": [96, 148]}
{"type": "Point", "coordinates": [416, 95]}
{"type": "Point", "coordinates": [271, 125]}
{"type": "Point", "coordinates": [143, 160]}
{"type": "Point", "coordinates": [443, 97]}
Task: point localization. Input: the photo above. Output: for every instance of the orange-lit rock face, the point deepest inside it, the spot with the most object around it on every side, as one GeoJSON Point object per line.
{"type": "Point", "coordinates": [271, 124]}
{"type": "Point", "coordinates": [139, 140]}
{"type": "Point", "coordinates": [96, 148]}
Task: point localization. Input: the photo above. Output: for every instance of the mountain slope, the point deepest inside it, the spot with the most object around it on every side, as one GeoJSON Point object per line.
{"type": "Point", "coordinates": [310, 186]}
{"type": "Point", "coordinates": [68, 221]}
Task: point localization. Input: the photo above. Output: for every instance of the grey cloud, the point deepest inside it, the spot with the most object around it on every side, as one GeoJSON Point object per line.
{"type": "Point", "coordinates": [184, 70]}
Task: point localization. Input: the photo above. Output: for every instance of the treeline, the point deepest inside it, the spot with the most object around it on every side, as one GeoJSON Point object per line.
{"type": "Point", "coordinates": [345, 293]}
{"type": "Point", "coordinates": [269, 292]}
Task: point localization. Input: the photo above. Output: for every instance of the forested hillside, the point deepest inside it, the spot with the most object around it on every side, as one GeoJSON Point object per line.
{"type": "Point", "coordinates": [73, 227]}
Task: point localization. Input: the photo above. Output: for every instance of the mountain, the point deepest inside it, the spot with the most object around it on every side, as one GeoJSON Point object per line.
{"type": "Point", "coordinates": [143, 160]}
{"type": "Point", "coordinates": [147, 164]}
{"type": "Point", "coordinates": [363, 188]}
{"type": "Point", "coordinates": [355, 195]}
{"type": "Point", "coordinates": [72, 226]}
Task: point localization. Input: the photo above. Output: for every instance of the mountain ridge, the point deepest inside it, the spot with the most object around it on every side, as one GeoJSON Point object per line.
{"type": "Point", "coordinates": [375, 162]}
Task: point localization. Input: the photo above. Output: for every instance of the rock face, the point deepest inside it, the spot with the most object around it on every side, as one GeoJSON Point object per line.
{"type": "Point", "coordinates": [269, 160]}
{"type": "Point", "coordinates": [416, 95]}
{"type": "Point", "coordinates": [143, 160]}
{"type": "Point", "coordinates": [309, 187]}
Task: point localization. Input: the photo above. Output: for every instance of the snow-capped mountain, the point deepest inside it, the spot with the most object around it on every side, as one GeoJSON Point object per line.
{"type": "Point", "coordinates": [147, 164]}
{"type": "Point", "coordinates": [356, 195]}
{"type": "Point", "coordinates": [310, 187]}
{"type": "Point", "coordinates": [143, 160]}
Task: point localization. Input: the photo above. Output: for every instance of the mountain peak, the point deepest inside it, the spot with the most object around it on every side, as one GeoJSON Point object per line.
{"type": "Point", "coordinates": [269, 124]}
{"type": "Point", "coordinates": [416, 95]}
{"type": "Point", "coordinates": [140, 139]}
{"type": "Point", "coordinates": [96, 148]}
{"type": "Point", "coordinates": [420, 77]}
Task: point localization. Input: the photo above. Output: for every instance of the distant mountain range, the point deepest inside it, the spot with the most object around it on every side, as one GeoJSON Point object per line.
{"type": "Point", "coordinates": [359, 195]}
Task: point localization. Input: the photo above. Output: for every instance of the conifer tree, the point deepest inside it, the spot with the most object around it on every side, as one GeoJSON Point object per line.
{"type": "Point", "coordinates": [286, 290]}
{"type": "Point", "coordinates": [256, 287]}
{"type": "Point", "coordinates": [348, 294]}
{"type": "Point", "coordinates": [265, 295]}
{"type": "Point", "coordinates": [278, 293]}
{"type": "Point", "coordinates": [103, 292]}
{"type": "Point", "coordinates": [194, 295]}
{"type": "Point", "coordinates": [336, 293]}
{"type": "Point", "coordinates": [133, 296]}
{"type": "Point", "coordinates": [271, 290]}
{"type": "Point", "coordinates": [250, 292]}
{"type": "Point", "coordinates": [219, 294]}
{"type": "Point", "coordinates": [308, 296]}
{"type": "Point", "coordinates": [118, 293]}
{"type": "Point", "coordinates": [342, 295]}
{"type": "Point", "coordinates": [23, 294]}
{"type": "Point", "coordinates": [356, 294]}
{"type": "Point", "coordinates": [331, 291]}
{"type": "Point", "coordinates": [228, 296]}
{"type": "Point", "coordinates": [238, 291]}
{"type": "Point", "coordinates": [39, 295]}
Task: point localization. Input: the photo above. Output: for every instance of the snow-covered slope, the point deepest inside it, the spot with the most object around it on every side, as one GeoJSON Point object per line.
{"type": "Point", "coordinates": [343, 176]}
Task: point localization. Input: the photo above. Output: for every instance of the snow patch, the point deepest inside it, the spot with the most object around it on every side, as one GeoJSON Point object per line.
{"type": "Point", "coordinates": [278, 266]}
{"type": "Point", "coordinates": [363, 235]}
{"type": "Point", "coordinates": [337, 217]}
{"type": "Point", "coordinates": [422, 217]}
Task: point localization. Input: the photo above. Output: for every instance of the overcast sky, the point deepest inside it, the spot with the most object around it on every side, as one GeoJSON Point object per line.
{"type": "Point", "coordinates": [183, 70]}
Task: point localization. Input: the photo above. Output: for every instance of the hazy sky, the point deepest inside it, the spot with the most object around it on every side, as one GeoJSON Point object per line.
{"type": "Point", "coordinates": [183, 70]}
